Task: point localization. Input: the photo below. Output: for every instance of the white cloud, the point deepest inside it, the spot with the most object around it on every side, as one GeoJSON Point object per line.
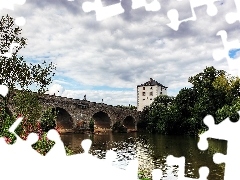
{"type": "Point", "coordinates": [56, 89]}
{"type": "Point", "coordinates": [122, 51]}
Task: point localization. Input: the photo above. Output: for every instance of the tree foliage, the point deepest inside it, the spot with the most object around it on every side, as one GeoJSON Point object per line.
{"type": "Point", "coordinates": [48, 120]}
{"type": "Point", "coordinates": [27, 104]}
{"type": "Point", "coordinates": [157, 113]}
{"type": "Point", "coordinates": [213, 92]}
{"type": "Point", "coordinates": [14, 70]}
{"type": "Point", "coordinates": [229, 111]}
{"type": "Point", "coordinates": [16, 73]}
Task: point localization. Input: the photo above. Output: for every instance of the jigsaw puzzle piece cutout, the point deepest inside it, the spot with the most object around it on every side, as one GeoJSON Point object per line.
{"type": "Point", "coordinates": [219, 54]}
{"type": "Point", "coordinates": [58, 149]}
{"type": "Point", "coordinates": [9, 4]}
{"type": "Point", "coordinates": [86, 163]}
{"type": "Point", "coordinates": [4, 152]}
{"type": "Point", "coordinates": [173, 14]}
{"type": "Point", "coordinates": [226, 130]}
{"type": "Point", "coordinates": [216, 131]}
{"type": "Point", "coordinates": [3, 90]}
{"type": "Point", "coordinates": [16, 155]}
{"type": "Point", "coordinates": [86, 145]}
{"type": "Point", "coordinates": [54, 154]}
{"type": "Point", "coordinates": [180, 162]}
{"type": "Point", "coordinates": [110, 157]}
{"type": "Point", "coordinates": [29, 155]}
{"type": "Point", "coordinates": [177, 12]}
{"type": "Point", "coordinates": [13, 128]}
{"type": "Point", "coordinates": [25, 146]}
{"type": "Point", "coordinates": [103, 169]}
{"type": "Point", "coordinates": [6, 159]}
{"type": "Point", "coordinates": [211, 7]}
{"type": "Point", "coordinates": [101, 11]}
{"type": "Point", "coordinates": [31, 139]}
{"type": "Point", "coordinates": [231, 160]}
{"type": "Point", "coordinates": [132, 169]}
{"type": "Point", "coordinates": [232, 17]}
{"type": "Point", "coordinates": [153, 6]}
{"type": "Point", "coordinates": [157, 174]}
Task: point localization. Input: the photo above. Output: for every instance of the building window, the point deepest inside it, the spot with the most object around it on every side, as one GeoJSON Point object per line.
{"type": "Point", "coordinates": [160, 92]}
{"type": "Point", "coordinates": [143, 88]}
{"type": "Point", "coordinates": [151, 99]}
{"type": "Point", "coordinates": [143, 99]}
{"type": "Point", "coordinates": [150, 87]}
{"type": "Point", "coordinates": [143, 93]}
{"type": "Point", "coordinates": [151, 93]}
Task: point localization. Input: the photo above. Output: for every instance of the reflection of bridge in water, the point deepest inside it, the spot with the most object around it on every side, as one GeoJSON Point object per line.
{"type": "Point", "coordinates": [75, 114]}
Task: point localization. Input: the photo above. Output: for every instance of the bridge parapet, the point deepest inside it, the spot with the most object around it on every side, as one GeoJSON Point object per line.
{"type": "Point", "coordinates": [76, 111]}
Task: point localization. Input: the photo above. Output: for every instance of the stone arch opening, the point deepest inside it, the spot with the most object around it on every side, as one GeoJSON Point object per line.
{"type": "Point", "coordinates": [129, 122]}
{"type": "Point", "coordinates": [102, 120]}
{"type": "Point", "coordinates": [64, 119]}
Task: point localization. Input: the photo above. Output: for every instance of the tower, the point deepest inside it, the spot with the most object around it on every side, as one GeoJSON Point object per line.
{"type": "Point", "coordinates": [148, 91]}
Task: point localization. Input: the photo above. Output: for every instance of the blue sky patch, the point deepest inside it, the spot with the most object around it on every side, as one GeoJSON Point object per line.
{"type": "Point", "coordinates": [234, 53]}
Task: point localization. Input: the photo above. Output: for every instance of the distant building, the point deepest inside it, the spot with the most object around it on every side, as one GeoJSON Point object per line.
{"type": "Point", "coordinates": [147, 92]}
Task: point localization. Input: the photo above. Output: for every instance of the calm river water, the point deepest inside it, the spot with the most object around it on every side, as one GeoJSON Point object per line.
{"type": "Point", "coordinates": [152, 150]}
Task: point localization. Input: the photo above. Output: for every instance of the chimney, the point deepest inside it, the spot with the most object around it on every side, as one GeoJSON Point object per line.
{"type": "Point", "coordinates": [151, 79]}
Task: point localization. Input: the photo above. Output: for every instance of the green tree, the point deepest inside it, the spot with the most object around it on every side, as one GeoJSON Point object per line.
{"type": "Point", "coordinates": [27, 104]}
{"type": "Point", "coordinates": [183, 108]}
{"type": "Point", "coordinates": [213, 92]}
{"type": "Point", "coordinates": [143, 123]}
{"type": "Point", "coordinates": [165, 100]}
{"type": "Point", "coordinates": [158, 114]}
{"type": "Point", "coordinates": [208, 98]}
{"type": "Point", "coordinates": [14, 71]}
{"type": "Point", "coordinates": [229, 111]}
{"type": "Point", "coordinates": [228, 86]}
{"type": "Point", "coordinates": [184, 101]}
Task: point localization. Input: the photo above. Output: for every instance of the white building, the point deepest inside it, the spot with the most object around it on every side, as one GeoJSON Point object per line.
{"type": "Point", "coordinates": [147, 92]}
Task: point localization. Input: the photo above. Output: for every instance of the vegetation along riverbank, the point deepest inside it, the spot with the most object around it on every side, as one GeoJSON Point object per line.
{"type": "Point", "coordinates": [213, 92]}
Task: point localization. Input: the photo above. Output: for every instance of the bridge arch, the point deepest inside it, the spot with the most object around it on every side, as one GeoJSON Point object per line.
{"type": "Point", "coordinates": [64, 119]}
{"type": "Point", "coordinates": [102, 120]}
{"type": "Point", "coordinates": [129, 122]}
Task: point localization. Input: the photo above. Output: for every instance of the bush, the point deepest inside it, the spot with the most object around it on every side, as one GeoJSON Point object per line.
{"type": "Point", "coordinates": [47, 120]}
{"type": "Point", "coordinates": [6, 123]}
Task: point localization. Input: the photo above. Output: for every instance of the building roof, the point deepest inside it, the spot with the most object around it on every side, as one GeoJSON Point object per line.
{"type": "Point", "coordinates": [152, 82]}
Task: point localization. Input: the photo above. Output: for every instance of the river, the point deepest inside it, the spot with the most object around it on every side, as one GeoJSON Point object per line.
{"type": "Point", "coordinates": [152, 150]}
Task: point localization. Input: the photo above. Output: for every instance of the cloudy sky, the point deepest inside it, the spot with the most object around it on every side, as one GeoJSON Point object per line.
{"type": "Point", "coordinates": [108, 59]}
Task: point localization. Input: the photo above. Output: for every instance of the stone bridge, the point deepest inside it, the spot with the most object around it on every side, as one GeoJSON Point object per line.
{"type": "Point", "coordinates": [75, 114]}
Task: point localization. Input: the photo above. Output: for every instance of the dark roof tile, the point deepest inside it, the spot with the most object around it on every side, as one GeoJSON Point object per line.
{"type": "Point", "coordinates": [152, 82]}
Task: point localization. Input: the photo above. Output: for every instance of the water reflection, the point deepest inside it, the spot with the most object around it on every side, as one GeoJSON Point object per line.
{"type": "Point", "coordinates": [152, 151]}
